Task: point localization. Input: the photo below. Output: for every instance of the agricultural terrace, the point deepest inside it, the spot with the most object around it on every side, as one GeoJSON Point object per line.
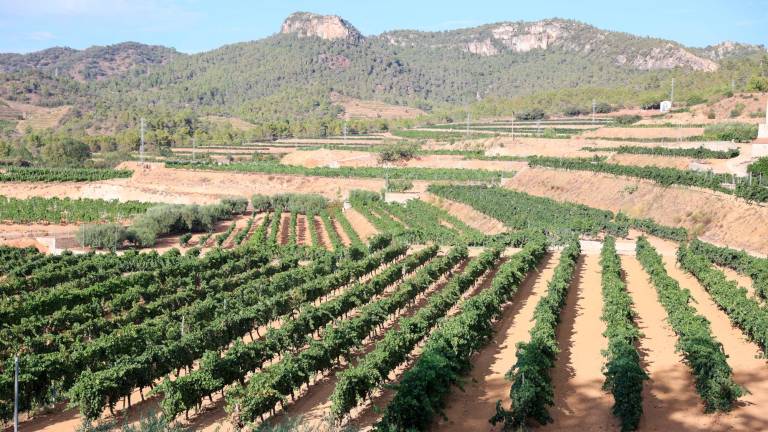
{"type": "Point", "coordinates": [560, 274]}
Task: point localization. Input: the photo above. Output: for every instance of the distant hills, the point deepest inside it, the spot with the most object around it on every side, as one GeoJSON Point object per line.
{"type": "Point", "coordinates": [290, 75]}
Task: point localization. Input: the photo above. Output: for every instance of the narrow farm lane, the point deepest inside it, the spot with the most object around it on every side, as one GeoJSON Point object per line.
{"type": "Point", "coordinates": [670, 401]}
{"type": "Point", "coordinates": [580, 402]}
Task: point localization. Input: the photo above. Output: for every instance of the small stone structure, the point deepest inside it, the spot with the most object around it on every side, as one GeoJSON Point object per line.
{"type": "Point", "coordinates": [665, 106]}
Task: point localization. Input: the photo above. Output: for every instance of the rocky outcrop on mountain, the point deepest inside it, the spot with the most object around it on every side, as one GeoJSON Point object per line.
{"type": "Point", "coordinates": [329, 27]}
{"type": "Point", "coordinates": [563, 35]}
{"type": "Point", "coordinates": [730, 49]}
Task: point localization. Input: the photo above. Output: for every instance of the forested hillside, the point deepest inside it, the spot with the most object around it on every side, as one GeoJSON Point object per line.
{"type": "Point", "coordinates": [291, 74]}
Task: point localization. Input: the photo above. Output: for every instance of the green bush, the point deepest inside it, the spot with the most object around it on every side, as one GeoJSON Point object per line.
{"type": "Point", "coordinates": [695, 100]}
{"type": "Point", "coordinates": [603, 108]}
{"type": "Point", "coordinates": [397, 152]}
{"type": "Point", "coordinates": [574, 111]}
{"type": "Point", "coordinates": [760, 167]}
{"type": "Point", "coordinates": [399, 185]}
{"type": "Point", "coordinates": [626, 119]}
{"type": "Point", "coordinates": [290, 202]}
{"type": "Point", "coordinates": [532, 114]}
{"type": "Point", "coordinates": [184, 240]}
{"type": "Point", "coordinates": [737, 110]}
{"type": "Point", "coordinates": [758, 84]}
{"type": "Point", "coordinates": [103, 236]}
{"type": "Point", "coordinates": [738, 132]}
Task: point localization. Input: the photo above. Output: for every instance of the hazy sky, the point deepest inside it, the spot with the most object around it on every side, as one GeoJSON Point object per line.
{"type": "Point", "coordinates": [198, 25]}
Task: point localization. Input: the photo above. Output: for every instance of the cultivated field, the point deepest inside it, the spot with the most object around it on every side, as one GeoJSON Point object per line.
{"type": "Point", "coordinates": [593, 277]}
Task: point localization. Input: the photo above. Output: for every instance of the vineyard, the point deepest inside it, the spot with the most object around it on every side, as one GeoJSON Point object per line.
{"type": "Point", "coordinates": [16, 174]}
{"type": "Point", "coordinates": [266, 287]}
{"type": "Point", "coordinates": [391, 331]}
{"type": "Point", "coordinates": [348, 172]}
{"type": "Point", "coordinates": [65, 210]}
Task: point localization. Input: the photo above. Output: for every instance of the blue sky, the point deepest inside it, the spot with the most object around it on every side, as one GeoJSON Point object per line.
{"type": "Point", "coordinates": [198, 25]}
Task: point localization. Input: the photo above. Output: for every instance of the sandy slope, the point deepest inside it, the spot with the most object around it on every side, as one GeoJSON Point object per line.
{"type": "Point", "coordinates": [716, 217]}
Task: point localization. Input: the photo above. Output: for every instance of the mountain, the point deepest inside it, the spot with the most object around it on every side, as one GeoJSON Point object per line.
{"type": "Point", "coordinates": [287, 78]}
{"type": "Point", "coordinates": [567, 36]}
{"type": "Point", "coordinates": [730, 49]}
{"type": "Point", "coordinates": [329, 27]}
{"type": "Point", "coordinates": [94, 63]}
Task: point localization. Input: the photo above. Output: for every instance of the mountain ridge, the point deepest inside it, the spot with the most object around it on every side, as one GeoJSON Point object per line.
{"type": "Point", "coordinates": [290, 75]}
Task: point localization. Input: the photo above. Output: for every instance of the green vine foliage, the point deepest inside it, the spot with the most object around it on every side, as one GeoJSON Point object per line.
{"type": "Point", "coordinates": [701, 351]}
{"type": "Point", "coordinates": [623, 372]}
{"type": "Point", "coordinates": [447, 353]}
{"type": "Point", "coordinates": [532, 392]}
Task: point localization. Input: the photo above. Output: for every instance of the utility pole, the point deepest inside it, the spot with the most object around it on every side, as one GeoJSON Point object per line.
{"type": "Point", "coordinates": [16, 393]}
{"type": "Point", "coordinates": [672, 94]}
{"type": "Point", "coordinates": [513, 126]}
{"type": "Point", "coordinates": [193, 149]}
{"type": "Point", "coordinates": [594, 108]}
{"type": "Point", "coordinates": [467, 121]}
{"type": "Point", "coordinates": [141, 147]}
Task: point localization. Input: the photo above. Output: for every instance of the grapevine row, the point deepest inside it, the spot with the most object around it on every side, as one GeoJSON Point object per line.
{"type": "Point", "coordinates": [273, 384]}
{"type": "Point", "coordinates": [356, 384]}
{"type": "Point", "coordinates": [624, 375]}
{"type": "Point", "coordinates": [744, 311]}
{"type": "Point", "coordinates": [447, 354]}
{"type": "Point", "coordinates": [701, 351]}
{"type": "Point", "coordinates": [532, 392]}
{"type": "Point", "coordinates": [215, 371]}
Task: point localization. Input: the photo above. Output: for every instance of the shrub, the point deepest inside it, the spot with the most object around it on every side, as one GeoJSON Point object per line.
{"type": "Point", "coordinates": [532, 114]}
{"type": "Point", "coordinates": [363, 197]}
{"type": "Point", "coordinates": [289, 202]}
{"type": "Point", "coordinates": [399, 185]}
{"type": "Point", "coordinates": [603, 108]}
{"type": "Point", "coordinates": [574, 111]}
{"type": "Point", "coordinates": [758, 84]}
{"type": "Point", "coordinates": [261, 203]}
{"type": "Point", "coordinates": [105, 236]}
{"type": "Point", "coordinates": [737, 110]}
{"type": "Point", "coordinates": [652, 103]}
{"type": "Point", "coordinates": [397, 152]}
{"type": "Point", "coordinates": [760, 167]}
{"type": "Point", "coordinates": [184, 240]}
{"type": "Point", "coordinates": [626, 119]}
{"type": "Point", "coordinates": [711, 114]}
{"type": "Point", "coordinates": [695, 100]}
{"type": "Point", "coordinates": [738, 132]}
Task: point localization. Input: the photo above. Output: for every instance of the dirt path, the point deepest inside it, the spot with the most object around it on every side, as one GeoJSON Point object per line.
{"type": "Point", "coordinates": [322, 233]}
{"type": "Point", "coordinates": [470, 409]}
{"type": "Point", "coordinates": [743, 281]}
{"type": "Point", "coordinates": [360, 224]}
{"type": "Point", "coordinates": [580, 402]}
{"type": "Point", "coordinates": [301, 231]}
{"type": "Point", "coordinates": [749, 370]}
{"type": "Point", "coordinates": [336, 226]}
{"type": "Point", "coordinates": [670, 401]}
{"type": "Point", "coordinates": [285, 228]}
